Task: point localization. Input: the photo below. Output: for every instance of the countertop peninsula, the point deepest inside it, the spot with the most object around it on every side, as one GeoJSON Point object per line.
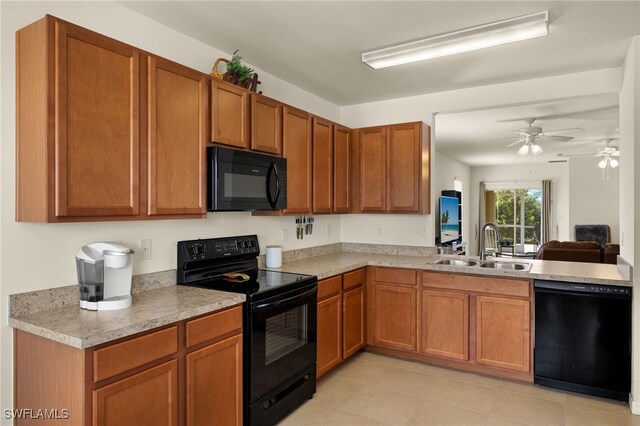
{"type": "Point", "coordinates": [336, 263]}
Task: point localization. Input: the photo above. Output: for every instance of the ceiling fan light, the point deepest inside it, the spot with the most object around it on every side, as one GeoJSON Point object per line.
{"type": "Point", "coordinates": [524, 150]}
{"type": "Point", "coordinates": [614, 163]}
{"type": "Point", "coordinates": [536, 149]}
{"type": "Point", "coordinates": [602, 164]}
{"type": "Point", "coordinates": [474, 38]}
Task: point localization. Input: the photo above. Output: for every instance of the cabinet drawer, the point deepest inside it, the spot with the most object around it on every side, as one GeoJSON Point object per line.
{"type": "Point", "coordinates": [354, 278]}
{"type": "Point", "coordinates": [215, 325]}
{"type": "Point", "coordinates": [329, 286]}
{"type": "Point", "coordinates": [123, 356]}
{"type": "Point", "coordinates": [488, 285]}
{"type": "Point", "coordinates": [396, 276]}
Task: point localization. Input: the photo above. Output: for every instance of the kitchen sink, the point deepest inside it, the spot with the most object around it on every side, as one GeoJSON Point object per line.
{"type": "Point", "coordinates": [456, 262]}
{"type": "Point", "coordinates": [506, 265]}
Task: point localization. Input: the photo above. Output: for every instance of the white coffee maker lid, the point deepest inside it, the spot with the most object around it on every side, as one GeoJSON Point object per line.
{"type": "Point", "coordinates": [95, 252]}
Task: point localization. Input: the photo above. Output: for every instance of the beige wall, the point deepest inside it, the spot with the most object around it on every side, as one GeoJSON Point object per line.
{"type": "Point", "coordinates": [630, 197]}
{"type": "Point", "coordinates": [592, 199]}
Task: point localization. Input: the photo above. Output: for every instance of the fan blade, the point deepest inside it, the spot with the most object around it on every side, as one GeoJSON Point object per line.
{"type": "Point", "coordinates": [515, 143]}
{"type": "Point", "coordinates": [616, 154]}
{"type": "Point", "coordinates": [557, 138]}
{"type": "Point", "coordinates": [572, 129]}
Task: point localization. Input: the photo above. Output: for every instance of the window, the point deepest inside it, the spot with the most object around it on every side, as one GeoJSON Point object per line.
{"type": "Point", "coordinates": [517, 213]}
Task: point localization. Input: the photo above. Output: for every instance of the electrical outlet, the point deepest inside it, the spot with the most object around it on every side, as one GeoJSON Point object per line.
{"type": "Point", "coordinates": [423, 231]}
{"type": "Point", "coordinates": [379, 230]}
{"type": "Point", "coordinates": [284, 235]}
{"type": "Point", "coordinates": [328, 230]}
{"type": "Point", "coordinates": [144, 249]}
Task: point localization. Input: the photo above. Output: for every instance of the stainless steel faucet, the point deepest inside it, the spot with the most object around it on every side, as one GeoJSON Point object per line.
{"type": "Point", "coordinates": [483, 254]}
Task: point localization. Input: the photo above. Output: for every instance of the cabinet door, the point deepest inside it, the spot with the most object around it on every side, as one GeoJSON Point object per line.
{"type": "Point", "coordinates": [177, 139]}
{"type": "Point", "coordinates": [146, 398]}
{"type": "Point", "coordinates": [97, 125]}
{"type": "Point", "coordinates": [266, 124]}
{"type": "Point", "coordinates": [445, 324]}
{"type": "Point", "coordinates": [296, 148]}
{"type": "Point", "coordinates": [395, 316]}
{"type": "Point", "coordinates": [341, 169]}
{"type": "Point", "coordinates": [404, 167]}
{"type": "Point", "coordinates": [373, 169]}
{"type": "Point", "coordinates": [229, 114]}
{"type": "Point", "coordinates": [214, 384]}
{"type": "Point", "coordinates": [352, 321]}
{"type": "Point", "coordinates": [503, 333]}
{"type": "Point", "coordinates": [329, 333]}
{"type": "Point", "coordinates": [322, 166]}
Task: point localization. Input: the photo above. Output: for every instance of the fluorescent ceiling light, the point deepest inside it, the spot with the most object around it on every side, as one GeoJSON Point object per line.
{"type": "Point", "coordinates": [474, 38]}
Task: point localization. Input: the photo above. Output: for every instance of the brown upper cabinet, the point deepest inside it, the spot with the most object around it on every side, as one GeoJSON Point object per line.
{"type": "Point", "coordinates": [322, 166]}
{"type": "Point", "coordinates": [229, 114]}
{"type": "Point", "coordinates": [392, 169]}
{"type": "Point", "coordinates": [341, 169]}
{"type": "Point", "coordinates": [81, 123]}
{"type": "Point", "coordinates": [266, 124]}
{"type": "Point", "coordinates": [297, 149]}
{"type": "Point", "coordinates": [371, 177]}
{"type": "Point", "coordinates": [177, 137]}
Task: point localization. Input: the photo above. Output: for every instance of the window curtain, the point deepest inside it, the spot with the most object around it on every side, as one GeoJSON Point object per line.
{"type": "Point", "coordinates": [481, 216]}
{"type": "Point", "coordinates": [545, 231]}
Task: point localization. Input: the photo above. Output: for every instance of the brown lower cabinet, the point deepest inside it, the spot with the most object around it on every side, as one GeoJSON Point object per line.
{"type": "Point", "coordinates": [187, 373]}
{"type": "Point", "coordinates": [341, 319]}
{"type": "Point", "coordinates": [477, 323]}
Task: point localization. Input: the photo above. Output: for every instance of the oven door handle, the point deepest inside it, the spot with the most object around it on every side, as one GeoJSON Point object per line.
{"type": "Point", "coordinates": [284, 301]}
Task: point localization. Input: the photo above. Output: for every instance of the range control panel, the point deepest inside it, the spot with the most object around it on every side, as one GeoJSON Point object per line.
{"type": "Point", "coordinates": [217, 248]}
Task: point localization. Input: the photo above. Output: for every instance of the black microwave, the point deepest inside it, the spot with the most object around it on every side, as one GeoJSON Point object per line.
{"type": "Point", "coordinates": [244, 180]}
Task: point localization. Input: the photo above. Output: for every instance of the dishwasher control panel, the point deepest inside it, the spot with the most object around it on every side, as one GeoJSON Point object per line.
{"type": "Point", "coordinates": [582, 288]}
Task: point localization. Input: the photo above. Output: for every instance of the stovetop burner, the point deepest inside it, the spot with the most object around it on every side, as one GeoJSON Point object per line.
{"type": "Point", "coordinates": [259, 281]}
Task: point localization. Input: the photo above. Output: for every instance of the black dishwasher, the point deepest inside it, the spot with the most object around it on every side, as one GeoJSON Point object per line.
{"type": "Point", "coordinates": [583, 338]}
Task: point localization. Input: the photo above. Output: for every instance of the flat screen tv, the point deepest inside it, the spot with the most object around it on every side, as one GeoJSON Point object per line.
{"type": "Point", "coordinates": [449, 227]}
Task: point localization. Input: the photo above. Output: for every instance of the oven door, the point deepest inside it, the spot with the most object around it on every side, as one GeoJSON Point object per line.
{"type": "Point", "coordinates": [283, 338]}
{"type": "Point", "coordinates": [241, 180]}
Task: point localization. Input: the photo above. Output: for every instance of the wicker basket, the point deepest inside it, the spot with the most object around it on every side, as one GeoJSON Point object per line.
{"type": "Point", "coordinates": [214, 72]}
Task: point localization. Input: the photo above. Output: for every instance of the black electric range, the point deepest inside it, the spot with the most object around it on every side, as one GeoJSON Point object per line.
{"type": "Point", "coordinates": [280, 324]}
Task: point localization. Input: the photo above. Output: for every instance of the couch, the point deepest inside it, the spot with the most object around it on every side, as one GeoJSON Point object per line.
{"type": "Point", "coordinates": [579, 251]}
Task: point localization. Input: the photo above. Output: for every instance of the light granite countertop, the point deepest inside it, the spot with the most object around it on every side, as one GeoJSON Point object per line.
{"type": "Point", "coordinates": [150, 309]}
{"type": "Point", "coordinates": [578, 272]}
{"type": "Point", "coordinates": [157, 301]}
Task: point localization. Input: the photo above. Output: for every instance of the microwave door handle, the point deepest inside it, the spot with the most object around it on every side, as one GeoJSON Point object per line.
{"type": "Point", "coordinates": [273, 170]}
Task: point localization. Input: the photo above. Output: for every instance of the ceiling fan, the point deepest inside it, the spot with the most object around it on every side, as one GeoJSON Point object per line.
{"type": "Point", "coordinates": [531, 135]}
{"type": "Point", "coordinates": [608, 154]}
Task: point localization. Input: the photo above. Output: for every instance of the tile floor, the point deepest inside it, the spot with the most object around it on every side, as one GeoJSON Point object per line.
{"type": "Point", "coordinates": [375, 390]}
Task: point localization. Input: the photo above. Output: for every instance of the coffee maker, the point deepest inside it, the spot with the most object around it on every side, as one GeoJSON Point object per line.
{"type": "Point", "coordinates": [104, 276]}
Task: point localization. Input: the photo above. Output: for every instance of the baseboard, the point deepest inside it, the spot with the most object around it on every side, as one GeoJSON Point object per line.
{"type": "Point", "coordinates": [634, 405]}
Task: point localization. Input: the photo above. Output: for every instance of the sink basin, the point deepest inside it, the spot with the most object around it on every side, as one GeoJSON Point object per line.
{"type": "Point", "coordinates": [506, 265]}
{"type": "Point", "coordinates": [456, 262]}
